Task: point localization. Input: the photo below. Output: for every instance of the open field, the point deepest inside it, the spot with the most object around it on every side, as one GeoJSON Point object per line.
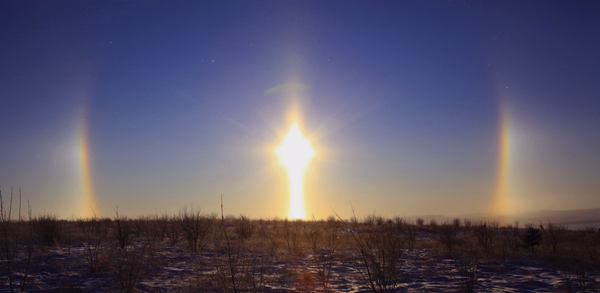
{"type": "Point", "coordinates": [194, 252]}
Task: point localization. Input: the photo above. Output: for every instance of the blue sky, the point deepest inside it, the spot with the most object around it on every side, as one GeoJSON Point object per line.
{"type": "Point", "coordinates": [401, 100]}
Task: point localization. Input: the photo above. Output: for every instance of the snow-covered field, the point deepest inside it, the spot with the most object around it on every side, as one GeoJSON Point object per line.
{"type": "Point", "coordinates": [279, 256]}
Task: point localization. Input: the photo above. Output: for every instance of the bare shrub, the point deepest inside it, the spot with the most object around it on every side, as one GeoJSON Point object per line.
{"type": "Point", "coordinates": [573, 277]}
{"type": "Point", "coordinates": [592, 236]}
{"type": "Point", "coordinates": [152, 234]}
{"type": "Point", "coordinates": [378, 259]}
{"type": "Point", "coordinates": [195, 227]}
{"type": "Point", "coordinates": [447, 235]}
{"type": "Point", "coordinates": [485, 232]}
{"type": "Point", "coordinates": [94, 233]}
{"type": "Point", "coordinates": [240, 268]}
{"type": "Point", "coordinates": [517, 234]}
{"type": "Point", "coordinates": [466, 270]}
{"type": "Point", "coordinates": [138, 226]}
{"type": "Point", "coordinates": [244, 228]}
{"type": "Point", "coordinates": [410, 235]}
{"type": "Point", "coordinates": [48, 228]}
{"type": "Point", "coordinates": [580, 269]}
{"type": "Point", "coordinates": [273, 239]}
{"type": "Point", "coordinates": [123, 230]}
{"type": "Point", "coordinates": [291, 235]}
{"type": "Point", "coordinates": [16, 245]}
{"type": "Point", "coordinates": [565, 282]}
{"type": "Point", "coordinates": [505, 242]}
{"type": "Point", "coordinates": [159, 226]}
{"type": "Point", "coordinates": [324, 243]}
{"type": "Point", "coordinates": [456, 223]}
{"type": "Point", "coordinates": [419, 222]}
{"type": "Point", "coordinates": [554, 234]}
{"type": "Point", "coordinates": [433, 224]}
{"type": "Point", "coordinates": [128, 266]}
{"type": "Point", "coordinates": [174, 229]}
{"type": "Point", "coordinates": [467, 223]}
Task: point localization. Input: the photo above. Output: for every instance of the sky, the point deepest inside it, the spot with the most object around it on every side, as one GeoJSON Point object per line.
{"type": "Point", "coordinates": [411, 107]}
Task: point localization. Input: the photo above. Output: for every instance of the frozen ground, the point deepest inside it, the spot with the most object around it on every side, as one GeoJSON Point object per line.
{"type": "Point", "coordinates": [165, 267]}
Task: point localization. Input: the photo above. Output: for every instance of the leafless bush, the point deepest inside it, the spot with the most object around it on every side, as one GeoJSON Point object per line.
{"type": "Point", "coordinates": [447, 235]}
{"type": "Point", "coordinates": [516, 234]}
{"type": "Point", "coordinates": [128, 266]}
{"type": "Point", "coordinates": [420, 222]}
{"type": "Point", "coordinates": [485, 232]}
{"type": "Point", "coordinates": [244, 228]}
{"type": "Point", "coordinates": [195, 227]}
{"type": "Point", "coordinates": [456, 223]}
{"type": "Point", "coordinates": [16, 245]}
{"type": "Point", "coordinates": [581, 271]}
{"type": "Point", "coordinates": [467, 223]}
{"type": "Point", "coordinates": [410, 234]}
{"type": "Point", "coordinates": [506, 241]}
{"type": "Point", "coordinates": [138, 226]}
{"type": "Point", "coordinates": [378, 262]}
{"type": "Point", "coordinates": [433, 224]}
{"type": "Point", "coordinates": [324, 243]}
{"type": "Point", "coordinates": [291, 235]}
{"type": "Point", "coordinates": [123, 230]}
{"type": "Point", "coordinates": [332, 220]}
{"type": "Point", "coordinates": [554, 235]}
{"type": "Point", "coordinates": [173, 229]}
{"type": "Point", "coordinates": [565, 282]}
{"type": "Point", "coordinates": [592, 236]}
{"type": "Point", "coordinates": [94, 235]}
{"type": "Point", "coordinates": [152, 234]}
{"type": "Point", "coordinates": [568, 272]}
{"type": "Point", "coordinates": [161, 226]}
{"type": "Point", "coordinates": [241, 270]}
{"type": "Point", "coordinates": [239, 267]}
{"type": "Point", "coordinates": [467, 268]}
{"type": "Point", "coordinates": [48, 228]}
{"type": "Point", "coordinates": [272, 236]}
{"type": "Point", "coordinates": [574, 266]}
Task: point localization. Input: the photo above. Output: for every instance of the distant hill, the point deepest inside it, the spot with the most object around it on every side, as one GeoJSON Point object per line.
{"type": "Point", "coordinates": [574, 219]}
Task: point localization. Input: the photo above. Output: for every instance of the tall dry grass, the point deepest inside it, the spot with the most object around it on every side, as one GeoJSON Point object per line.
{"type": "Point", "coordinates": [239, 254]}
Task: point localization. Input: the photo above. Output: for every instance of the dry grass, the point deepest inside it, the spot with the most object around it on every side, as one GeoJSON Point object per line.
{"type": "Point", "coordinates": [239, 254]}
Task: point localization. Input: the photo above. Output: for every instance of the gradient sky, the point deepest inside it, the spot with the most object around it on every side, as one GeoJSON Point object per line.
{"type": "Point", "coordinates": [413, 107]}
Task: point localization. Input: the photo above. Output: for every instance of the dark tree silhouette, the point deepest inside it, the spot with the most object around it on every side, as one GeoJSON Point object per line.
{"type": "Point", "coordinates": [531, 238]}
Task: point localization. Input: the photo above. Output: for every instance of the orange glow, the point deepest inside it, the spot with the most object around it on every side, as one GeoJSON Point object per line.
{"type": "Point", "coordinates": [294, 153]}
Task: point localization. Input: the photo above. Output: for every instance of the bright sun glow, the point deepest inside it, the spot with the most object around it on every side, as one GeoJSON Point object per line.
{"type": "Point", "coordinates": [294, 153]}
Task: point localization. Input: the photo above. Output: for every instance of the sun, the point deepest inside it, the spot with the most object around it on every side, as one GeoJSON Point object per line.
{"type": "Point", "coordinates": [295, 153]}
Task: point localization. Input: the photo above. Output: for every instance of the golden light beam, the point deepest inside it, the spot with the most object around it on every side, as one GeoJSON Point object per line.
{"type": "Point", "coordinates": [88, 204]}
{"type": "Point", "coordinates": [501, 201]}
{"type": "Point", "coordinates": [294, 153]}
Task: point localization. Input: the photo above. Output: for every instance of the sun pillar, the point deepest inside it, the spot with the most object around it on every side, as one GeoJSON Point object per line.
{"type": "Point", "coordinates": [88, 203]}
{"type": "Point", "coordinates": [294, 153]}
{"type": "Point", "coordinates": [501, 202]}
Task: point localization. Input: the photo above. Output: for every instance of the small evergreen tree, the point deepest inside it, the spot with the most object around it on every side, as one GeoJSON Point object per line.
{"type": "Point", "coordinates": [531, 238]}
